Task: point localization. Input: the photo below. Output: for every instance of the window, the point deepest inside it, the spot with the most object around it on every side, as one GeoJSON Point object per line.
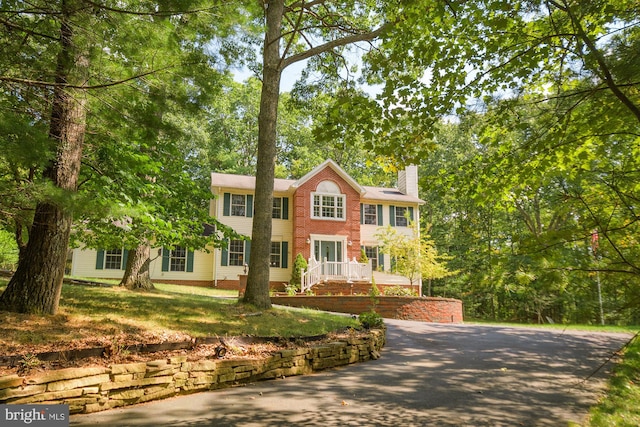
{"type": "Point", "coordinates": [238, 205]}
{"type": "Point", "coordinates": [370, 214]}
{"type": "Point", "coordinates": [372, 253]}
{"type": "Point", "coordinates": [276, 252]}
{"type": "Point", "coordinates": [113, 259]}
{"type": "Point", "coordinates": [277, 208]}
{"type": "Point", "coordinates": [236, 252]}
{"type": "Point", "coordinates": [328, 206]}
{"type": "Point", "coordinates": [401, 219]}
{"type": "Point", "coordinates": [178, 259]}
{"type": "Point", "coordinates": [327, 202]}
{"type": "Point", "coordinates": [280, 208]}
{"type": "Point", "coordinates": [400, 216]}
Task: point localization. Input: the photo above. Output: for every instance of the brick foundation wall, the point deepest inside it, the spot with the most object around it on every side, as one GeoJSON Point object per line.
{"type": "Point", "coordinates": [354, 288]}
{"type": "Point", "coordinates": [94, 389]}
{"type": "Point", "coordinates": [233, 285]}
{"type": "Point", "coordinates": [200, 283]}
{"type": "Point", "coordinates": [438, 310]}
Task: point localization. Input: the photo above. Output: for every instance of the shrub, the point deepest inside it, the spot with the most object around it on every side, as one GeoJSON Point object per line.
{"type": "Point", "coordinates": [400, 291]}
{"type": "Point", "coordinates": [363, 256]}
{"type": "Point", "coordinates": [291, 289]}
{"type": "Point", "coordinates": [299, 264]}
{"type": "Point", "coordinates": [371, 319]}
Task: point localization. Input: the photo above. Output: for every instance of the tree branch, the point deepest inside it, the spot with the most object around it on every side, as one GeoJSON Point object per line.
{"type": "Point", "coordinates": [39, 83]}
{"type": "Point", "coordinates": [368, 36]}
{"type": "Point", "coordinates": [602, 64]}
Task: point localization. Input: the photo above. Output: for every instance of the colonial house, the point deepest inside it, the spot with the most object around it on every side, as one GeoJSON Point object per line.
{"type": "Point", "coordinates": [326, 216]}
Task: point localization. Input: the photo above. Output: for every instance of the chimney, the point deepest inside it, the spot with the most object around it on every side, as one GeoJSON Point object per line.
{"type": "Point", "coordinates": [408, 181]}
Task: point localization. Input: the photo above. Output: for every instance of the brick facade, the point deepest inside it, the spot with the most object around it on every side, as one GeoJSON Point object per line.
{"type": "Point", "coordinates": [304, 224]}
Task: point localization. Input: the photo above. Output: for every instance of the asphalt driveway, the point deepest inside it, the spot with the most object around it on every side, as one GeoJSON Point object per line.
{"type": "Point", "coordinates": [428, 375]}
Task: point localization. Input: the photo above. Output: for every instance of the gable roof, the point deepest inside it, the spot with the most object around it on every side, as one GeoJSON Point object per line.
{"type": "Point", "coordinates": [248, 183]}
{"type": "Point", "coordinates": [337, 169]}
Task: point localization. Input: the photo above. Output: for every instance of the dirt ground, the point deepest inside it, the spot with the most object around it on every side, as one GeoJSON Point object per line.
{"type": "Point", "coordinates": [115, 351]}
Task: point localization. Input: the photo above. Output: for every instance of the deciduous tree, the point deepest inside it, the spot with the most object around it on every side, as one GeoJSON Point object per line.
{"type": "Point", "coordinates": [295, 31]}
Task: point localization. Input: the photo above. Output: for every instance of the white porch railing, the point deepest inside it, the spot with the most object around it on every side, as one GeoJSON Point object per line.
{"type": "Point", "coordinates": [334, 270]}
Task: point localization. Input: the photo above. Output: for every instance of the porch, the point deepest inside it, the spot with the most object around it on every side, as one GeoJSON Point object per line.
{"type": "Point", "coordinates": [326, 271]}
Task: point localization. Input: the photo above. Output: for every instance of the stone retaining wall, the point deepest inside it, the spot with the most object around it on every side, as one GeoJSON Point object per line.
{"type": "Point", "coordinates": [425, 309]}
{"type": "Point", "coordinates": [94, 389]}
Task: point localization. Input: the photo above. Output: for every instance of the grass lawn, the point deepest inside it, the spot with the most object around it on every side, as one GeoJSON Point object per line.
{"type": "Point", "coordinates": [621, 405]}
{"type": "Point", "coordinates": [91, 316]}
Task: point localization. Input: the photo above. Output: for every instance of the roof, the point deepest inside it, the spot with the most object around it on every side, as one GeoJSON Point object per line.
{"type": "Point", "coordinates": [386, 194]}
{"type": "Point", "coordinates": [337, 169]}
{"type": "Point", "coordinates": [248, 183]}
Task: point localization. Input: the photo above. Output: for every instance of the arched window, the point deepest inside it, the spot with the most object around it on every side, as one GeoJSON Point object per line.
{"type": "Point", "coordinates": [327, 202]}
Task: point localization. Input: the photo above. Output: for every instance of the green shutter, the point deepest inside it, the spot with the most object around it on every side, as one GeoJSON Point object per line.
{"type": "Point", "coordinates": [285, 208]}
{"type": "Point", "coordinates": [247, 251]}
{"type": "Point", "coordinates": [125, 257]}
{"type": "Point", "coordinates": [225, 256]}
{"type": "Point", "coordinates": [411, 214]}
{"type": "Point", "coordinates": [284, 255]}
{"type": "Point", "coordinates": [100, 259]}
{"type": "Point", "coordinates": [190, 262]}
{"type": "Point", "coordinates": [380, 260]}
{"type": "Point", "coordinates": [392, 216]}
{"type": "Point", "coordinates": [165, 259]}
{"type": "Point", "coordinates": [249, 212]}
{"type": "Point", "coordinates": [361, 213]}
{"type": "Point", "coordinates": [380, 215]}
{"type": "Point", "coordinates": [226, 209]}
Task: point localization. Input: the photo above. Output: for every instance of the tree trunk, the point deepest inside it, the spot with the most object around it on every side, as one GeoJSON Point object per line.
{"type": "Point", "coordinates": [257, 292]}
{"type": "Point", "coordinates": [36, 285]}
{"type": "Point", "coordinates": [136, 274]}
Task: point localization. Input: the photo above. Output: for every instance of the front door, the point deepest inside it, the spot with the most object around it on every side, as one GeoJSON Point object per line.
{"type": "Point", "coordinates": [331, 252]}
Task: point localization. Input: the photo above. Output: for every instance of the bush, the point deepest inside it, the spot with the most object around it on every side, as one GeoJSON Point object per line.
{"type": "Point", "coordinates": [291, 289]}
{"type": "Point", "coordinates": [400, 291]}
{"type": "Point", "coordinates": [371, 319]}
{"type": "Point", "coordinates": [363, 256]}
{"type": "Point", "coordinates": [299, 264]}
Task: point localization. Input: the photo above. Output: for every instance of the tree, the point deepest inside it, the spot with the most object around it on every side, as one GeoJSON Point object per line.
{"type": "Point", "coordinates": [47, 39]}
{"type": "Point", "coordinates": [413, 256]}
{"type": "Point", "coordinates": [298, 25]}
{"type": "Point", "coordinates": [35, 286]}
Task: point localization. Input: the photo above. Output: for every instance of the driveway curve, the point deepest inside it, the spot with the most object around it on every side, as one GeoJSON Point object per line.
{"type": "Point", "coordinates": [428, 375]}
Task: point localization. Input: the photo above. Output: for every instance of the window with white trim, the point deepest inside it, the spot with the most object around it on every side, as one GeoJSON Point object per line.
{"type": "Point", "coordinates": [276, 253]}
{"type": "Point", "coordinates": [277, 208]}
{"type": "Point", "coordinates": [372, 254]}
{"type": "Point", "coordinates": [178, 259]}
{"type": "Point", "coordinates": [327, 202]}
{"type": "Point", "coordinates": [236, 252]}
{"type": "Point", "coordinates": [401, 216]}
{"type": "Point", "coordinates": [113, 259]}
{"type": "Point", "coordinates": [238, 204]}
{"type": "Point", "coordinates": [370, 214]}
